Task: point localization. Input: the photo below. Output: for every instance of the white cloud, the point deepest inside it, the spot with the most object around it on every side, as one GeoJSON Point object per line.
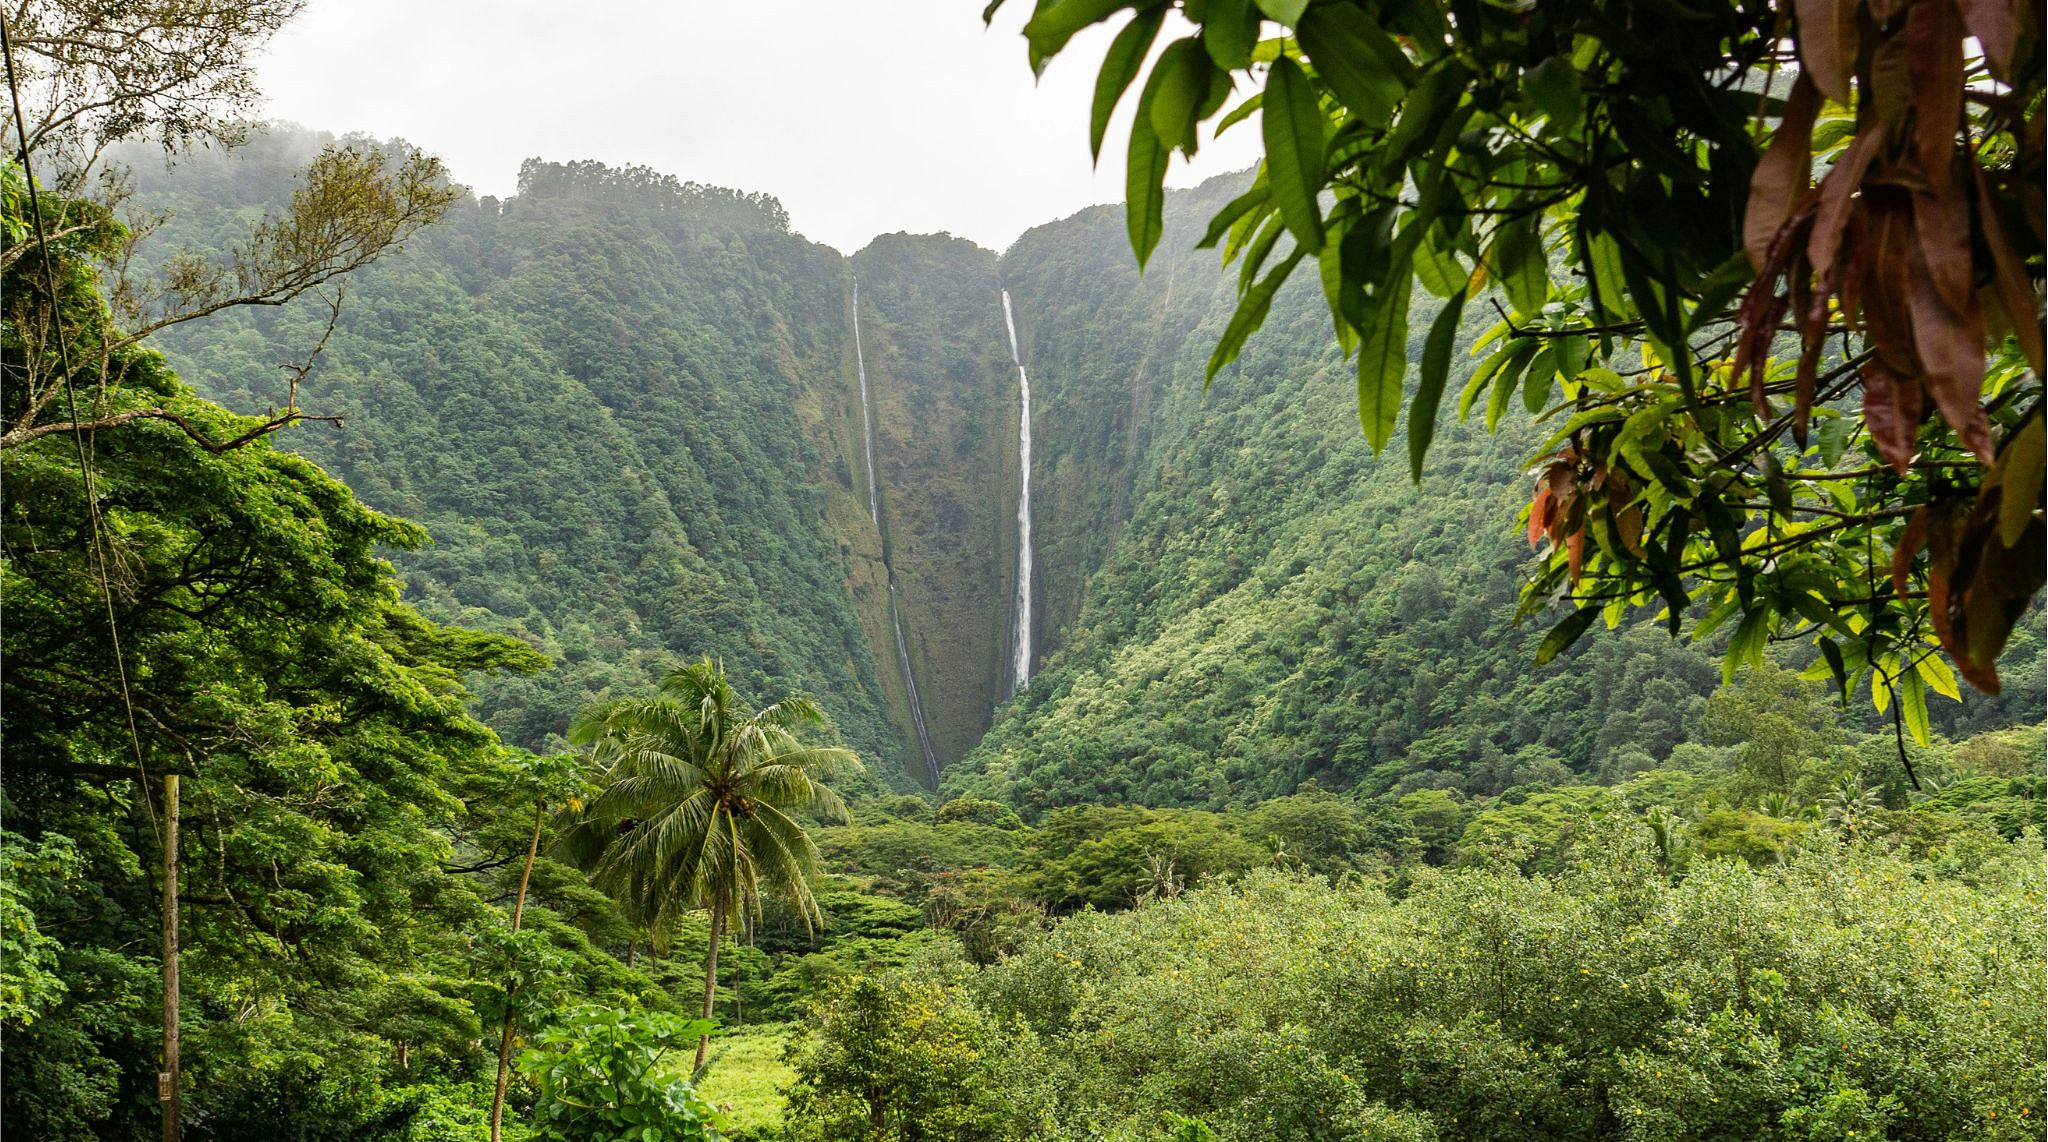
{"type": "Point", "coordinates": [862, 116]}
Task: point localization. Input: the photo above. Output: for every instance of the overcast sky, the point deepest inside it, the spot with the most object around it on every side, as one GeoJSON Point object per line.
{"type": "Point", "coordinates": [863, 116]}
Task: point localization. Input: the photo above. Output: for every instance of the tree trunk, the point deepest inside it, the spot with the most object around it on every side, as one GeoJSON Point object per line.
{"type": "Point", "coordinates": [511, 990]}
{"type": "Point", "coordinates": [632, 949]}
{"type": "Point", "coordinates": [167, 1079]}
{"type": "Point", "coordinates": [710, 978]}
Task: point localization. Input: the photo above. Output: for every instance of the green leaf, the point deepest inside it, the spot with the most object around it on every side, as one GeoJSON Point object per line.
{"type": "Point", "coordinates": [1293, 125]}
{"type": "Point", "coordinates": [1119, 68]}
{"type": "Point", "coordinates": [1746, 645]}
{"type": "Point", "coordinates": [1833, 438]}
{"type": "Point", "coordinates": [1250, 314]}
{"type": "Point", "coordinates": [1144, 191]}
{"type": "Point", "coordinates": [1432, 107]}
{"type": "Point", "coordinates": [1229, 31]}
{"type": "Point", "coordinates": [1286, 12]}
{"type": "Point", "coordinates": [1504, 382]}
{"type": "Point", "coordinates": [1436, 369]}
{"type": "Point", "coordinates": [1536, 383]}
{"type": "Point", "coordinates": [1174, 93]}
{"type": "Point", "coordinates": [1383, 361]}
{"type": "Point", "coordinates": [1936, 674]}
{"type": "Point", "coordinates": [1260, 248]}
{"type": "Point", "coordinates": [1516, 261]}
{"type": "Point", "coordinates": [1606, 270]}
{"type": "Point", "coordinates": [1489, 370]}
{"type": "Point", "coordinates": [1913, 706]}
{"type": "Point", "coordinates": [1227, 217]}
{"type": "Point", "coordinates": [1831, 655]}
{"type": "Point", "coordinates": [1439, 270]}
{"type": "Point", "coordinates": [1566, 633]}
{"type": "Point", "coordinates": [1345, 300]}
{"type": "Point", "coordinates": [1362, 65]}
{"type": "Point", "coordinates": [1241, 112]}
{"type": "Point", "coordinates": [1051, 28]}
{"type": "Point", "coordinates": [1553, 86]}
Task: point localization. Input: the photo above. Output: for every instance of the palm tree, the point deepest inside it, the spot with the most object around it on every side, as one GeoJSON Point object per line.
{"type": "Point", "coordinates": [1850, 808]}
{"type": "Point", "coordinates": [703, 804]}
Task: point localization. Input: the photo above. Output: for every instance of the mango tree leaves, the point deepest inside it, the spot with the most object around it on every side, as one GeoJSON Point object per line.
{"type": "Point", "coordinates": [1293, 133]}
{"type": "Point", "coordinates": [1145, 191]}
{"type": "Point", "coordinates": [1250, 314]}
{"type": "Point", "coordinates": [1383, 362]}
{"type": "Point", "coordinates": [1174, 93]}
{"type": "Point", "coordinates": [1357, 59]}
{"type": "Point", "coordinates": [1516, 261]}
{"type": "Point", "coordinates": [1434, 371]}
{"type": "Point", "coordinates": [1126, 56]}
{"type": "Point", "coordinates": [1783, 174]}
{"type": "Point", "coordinates": [1645, 201]}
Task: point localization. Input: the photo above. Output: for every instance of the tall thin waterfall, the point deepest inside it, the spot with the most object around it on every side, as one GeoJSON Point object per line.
{"type": "Point", "coordinates": [867, 432]}
{"type": "Point", "coordinates": [1020, 666]}
{"type": "Point", "coordinates": [867, 420]}
{"type": "Point", "coordinates": [924, 741]}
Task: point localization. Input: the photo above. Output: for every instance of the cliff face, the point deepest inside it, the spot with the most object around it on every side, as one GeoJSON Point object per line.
{"type": "Point", "coordinates": [944, 415]}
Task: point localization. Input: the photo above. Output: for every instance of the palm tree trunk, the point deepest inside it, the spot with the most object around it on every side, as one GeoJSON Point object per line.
{"type": "Point", "coordinates": [505, 1036]}
{"type": "Point", "coordinates": [710, 977]}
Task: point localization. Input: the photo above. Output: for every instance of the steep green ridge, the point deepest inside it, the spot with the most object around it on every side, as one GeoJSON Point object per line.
{"type": "Point", "coordinates": [614, 401]}
{"type": "Point", "coordinates": [628, 411]}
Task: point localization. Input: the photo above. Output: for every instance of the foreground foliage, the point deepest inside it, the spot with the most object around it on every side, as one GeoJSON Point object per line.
{"type": "Point", "coordinates": [1628, 195]}
{"type": "Point", "coordinates": [343, 959]}
{"type": "Point", "coordinates": [1850, 989]}
{"type": "Point", "coordinates": [600, 1076]}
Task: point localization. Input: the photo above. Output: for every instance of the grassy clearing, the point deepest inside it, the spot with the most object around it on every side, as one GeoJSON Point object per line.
{"type": "Point", "coordinates": [747, 1076]}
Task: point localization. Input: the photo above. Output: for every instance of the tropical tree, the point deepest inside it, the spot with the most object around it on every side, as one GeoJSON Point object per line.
{"type": "Point", "coordinates": [1809, 409]}
{"type": "Point", "coordinates": [704, 804]}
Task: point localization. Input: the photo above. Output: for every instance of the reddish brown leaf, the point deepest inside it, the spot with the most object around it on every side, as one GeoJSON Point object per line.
{"type": "Point", "coordinates": [1934, 56]}
{"type": "Point", "coordinates": [1951, 346]}
{"type": "Point", "coordinates": [1851, 268]}
{"type": "Point", "coordinates": [2009, 276]}
{"type": "Point", "coordinates": [1538, 523]}
{"type": "Point", "coordinates": [1838, 197]}
{"type": "Point", "coordinates": [1888, 84]}
{"type": "Point", "coordinates": [1575, 548]}
{"type": "Point", "coordinates": [1941, 222]}
{"type": "Point", "coordinates": [1944, 595]}
{"type": "Point", "coordinates": [1887, 279]}
{"type": "Point", "coordinates": [1569, 520]}
{"type": "Point", "coordinates": [1757, 323]}
{"type": "Point", "coordinates": [1996, 24]}
{"type": "Point", "coordinates": [1891, 413]}
{"type": "Point", "coordinates": [1827, 43]}
{"type": "Point", "coordinates": [1628, 523]}
{"type": "Point", "coordinates": [1783, 174]}
{"type": "Point", "coordinates": [1990, 589]}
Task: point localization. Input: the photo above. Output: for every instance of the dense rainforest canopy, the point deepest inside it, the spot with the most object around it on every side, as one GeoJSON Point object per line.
{"type": "Point", "coordinates": [505, 660]}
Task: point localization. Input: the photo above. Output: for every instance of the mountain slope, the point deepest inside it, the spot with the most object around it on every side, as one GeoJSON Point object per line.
{"type": "Point", "coordinates": [630, 411]}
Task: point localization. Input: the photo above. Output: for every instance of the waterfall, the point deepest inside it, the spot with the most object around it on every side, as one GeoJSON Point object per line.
{"type": "Point", "coordinates": [867, 432]}
{"type": "Point", "coordinates": [867, 423]}
{"type": "Point", "coordinates": [924, 741]}
{"type": "Point", "coordinates": [1020, 667]}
